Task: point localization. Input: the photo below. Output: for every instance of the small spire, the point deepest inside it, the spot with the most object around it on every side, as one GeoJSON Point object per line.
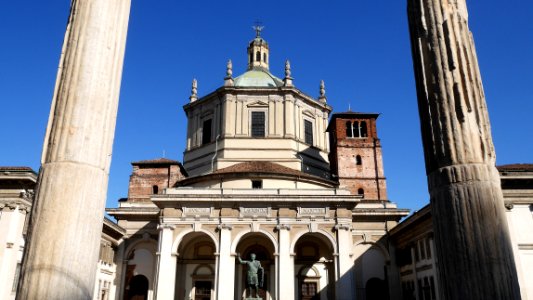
{"type": "Point", "coordinates": [288, 79]}
{"type": "Point", "coordinates": [194, 91]}
{"type": "Point", "coordinates": [322, 97]}
{"type": "Point", "coordinates": [349, 106]}
{"type": "Point", "coordinates": [228, 80]}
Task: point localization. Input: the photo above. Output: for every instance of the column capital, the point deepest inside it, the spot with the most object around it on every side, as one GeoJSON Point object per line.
{"type": "Point", "coordinates": [342, 227]}
{"type": "Point", "coordinates": [166, 226]}
{"type": "Point", "coordinates": [280, 227]}
{"type": "Point", "coordinates": [225, 226]}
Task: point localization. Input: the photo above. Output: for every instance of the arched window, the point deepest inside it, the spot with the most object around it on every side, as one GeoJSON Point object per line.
{"type": "Point", "coordinates": [363, 129]}
{"type": "Point", "coordinates": [155, 189]}
{"type": "Point", "coordinates": [264, 57]}
{"type": "Point", "coordinates": [356, 132]}
{"type": "Point", "coordinates": [349, 129]}
{"type": "Point", "coordinates": [361, 192]}
{"type": "Point", "coordinates": [258, 56]}
{"type": "Point", "coordinates": [251, 57]}
{"type": "Point", "coordinates": [358, 160]}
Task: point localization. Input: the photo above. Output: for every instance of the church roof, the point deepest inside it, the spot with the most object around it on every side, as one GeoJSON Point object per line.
{"type": "Point", "coordinates": [258, 77]}
{"type": "Point", "coordinates": [515, 167]}
{"type": "Point", "coordinates": [158, 161]}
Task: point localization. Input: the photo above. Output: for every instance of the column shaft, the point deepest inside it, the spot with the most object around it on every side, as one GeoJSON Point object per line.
{"type": "Point", "coordinates": [66, 220]}
{"type": "Point", "coordinates": [345, 280]}
{"type": "Point", "coordinates": [166, 270]}
{"type": "Point", "coordinates": [471, 235]}
{"type": "Point", "coordinates": [226, 266]}
{"type": "Point", "coordinates": [286, 264]}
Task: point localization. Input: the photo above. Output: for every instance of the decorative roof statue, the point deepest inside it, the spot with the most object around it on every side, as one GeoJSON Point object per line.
{"type": "Point", "coordinates": [228, 80]}
{"type": "Point", "coordinates": [322, 97]}
{"type": "Point", "coordinates": [288, 79]}
{"type": "Point", "coordinates": [194, 91]}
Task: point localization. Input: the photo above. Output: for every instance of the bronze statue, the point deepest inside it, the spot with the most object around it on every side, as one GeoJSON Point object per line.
{"type": "Point", "coordinates": [255, 275]}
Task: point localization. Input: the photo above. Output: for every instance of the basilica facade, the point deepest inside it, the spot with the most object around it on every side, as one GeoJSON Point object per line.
{"type": "Point", "coordinates": [267, 170]}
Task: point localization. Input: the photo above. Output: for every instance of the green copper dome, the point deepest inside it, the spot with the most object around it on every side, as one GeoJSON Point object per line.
{"type": "Point", "coordinates": [258, 77]}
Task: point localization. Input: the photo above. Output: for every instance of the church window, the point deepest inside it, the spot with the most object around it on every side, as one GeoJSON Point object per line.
{"type": "Point", "coordinates": [264, 57]}
{"type": "Point", "coordinates": [358, 160]}
{"type": "Point", "coordinates": [206, 131]}
{"type": "Point", "coordinates": [257, 184]}
{"type": "Point", "coordinates": [363, 129]}
{"type": "Point", "coordinates": [308, 128]}
{"type": "Point", "coordinates": [258, 56]}
{"type": "Point", "coordinates": [155, 189]}
{"type": "Point", "coordinates": [349, 132]}
{"type": "Point", "coordinates": [258, 123]}
{"type": "Point", "coordinates": [361, 192]}
{"type": "Point", "coordinates": [202, 290]}
{"type": "Point", "coordinates": [355, 128]}
{"type": "Point", "coordinates": [251, 57]}
{"type": "Point", "coordinates": [428, 248]}
{"type": "Point", "coordinates": [308, 290]}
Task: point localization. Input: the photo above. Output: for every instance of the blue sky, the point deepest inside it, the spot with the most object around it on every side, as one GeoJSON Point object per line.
{"type": "Point", "coordinates": [359, 48]}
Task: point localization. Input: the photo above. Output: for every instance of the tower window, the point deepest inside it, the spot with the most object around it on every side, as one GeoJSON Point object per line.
{"type": "Point", "coordinates": [257, 184]}
{"type": "Point", "coordinates": [155, 189]}
{"type": "Point", "coordinates": [206, 131]}
{"type": "Point", "coordinates": [358, 160]}
{"type": "Point", "coordinates": [258, 123]}
{"type": "Point", "coordinates": [349, 132]}
{"type": "Point", "coordinates": [258, 56]}
{"type": "Point", "coordinates": [355, 128]}
{"type": "Point", "coordinates": [361, 192]}
{"type": "Point", "coordinates": [308, 128]}
{"type": "Point", "coordinates": [363, 129]}
{"type": "Point", "coordinates": [251, 57]}
{"type": "Point", "coordinates": [264, 57]}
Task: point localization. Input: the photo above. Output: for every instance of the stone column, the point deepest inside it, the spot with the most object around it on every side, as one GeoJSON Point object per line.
{"type": "Point", "coordinates": [66, 220]}
{"type": "Point", "coordinates": [345, 263]}
{"type": "Point", "coordinates": [285, 268]}
{"type": "Point", "coordinates": [226, 265]}
{"type": "Point", "coordinates": [472, 239]}
{"type": "Point", "coordinates": [166, 269]}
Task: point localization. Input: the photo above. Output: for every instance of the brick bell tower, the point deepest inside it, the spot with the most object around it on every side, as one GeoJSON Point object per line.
{"type": "Point", "coordinates": [355, 157]}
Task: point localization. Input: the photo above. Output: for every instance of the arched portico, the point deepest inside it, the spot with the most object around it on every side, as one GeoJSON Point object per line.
{"type": "Point", "coordinates": [196, 265]}
{"type": "Point", "coordinates": [261, 245]}
{"type": "Point", "coordinates": [314, 267]}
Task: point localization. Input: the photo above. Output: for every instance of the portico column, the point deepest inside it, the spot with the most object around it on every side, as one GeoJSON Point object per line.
{"type": "Point", "coordinates": [471, 234]}
{"type": "Point", "coordinates": [166, 269]}
{"type": "Point", "coordinates": [226, 265]}
{"type": "Point", "coordinates": [67, 215]}
{"type": "Point", "coordinates": [285, 268]}
{"type": "Point", "coordinates": [345, 282]}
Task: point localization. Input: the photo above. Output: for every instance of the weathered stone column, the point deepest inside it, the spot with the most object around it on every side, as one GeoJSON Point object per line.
{"type": "Point", "coordinates": [472, 239]}
{"type": "Point", "coordinates": [226, 265]}
{"type": "Point", "coordinates": [66, 221]}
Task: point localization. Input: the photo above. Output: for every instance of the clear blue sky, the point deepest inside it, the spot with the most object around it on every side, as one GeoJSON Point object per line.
{"type": "Point", "coordinates": [360, 48]}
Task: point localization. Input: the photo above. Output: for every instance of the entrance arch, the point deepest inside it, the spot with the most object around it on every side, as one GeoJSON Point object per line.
{"type": "Point", "coordinates": [314, 267]}
{"type": "Point", "coordinates": [195, 275]}
{"type": "Point", "coordinates": [260, 245]}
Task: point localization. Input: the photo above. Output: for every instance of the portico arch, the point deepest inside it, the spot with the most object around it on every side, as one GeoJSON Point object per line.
{"type": "Point", "coordinates": [371, 261]}
{"type": "Point", "coordinates": [196, 262]}
{"type": "Point", "coordinates": [179, 238]}
{"type": "Point", "coordinates": [314, 266]}
{"type": "Point", "coordinates": [263, 246]}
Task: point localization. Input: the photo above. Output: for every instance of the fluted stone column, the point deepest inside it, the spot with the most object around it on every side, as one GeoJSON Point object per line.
{"type": "Point", "coordinates": [471, 234]}
{"type": "Point", "coordinates": [66, 221]}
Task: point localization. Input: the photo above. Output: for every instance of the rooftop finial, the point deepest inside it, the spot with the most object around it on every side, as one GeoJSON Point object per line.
{"type": "Point", "coordinates": [288, 79]}
{"type": "Point", "coordinates": [194, 91]}
{"type": "Point", "coordinates": [349, 106]}
{"type": "Point", "coordinates": [228, 80]}
{"type": "Point", "coordinates": [258, 28]}
{"type": "Point", "coordinates": [322, 97]}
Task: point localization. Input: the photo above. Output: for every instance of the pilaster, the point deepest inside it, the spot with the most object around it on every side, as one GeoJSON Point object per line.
{"type": "Point", "coordinates": [344, 284]}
